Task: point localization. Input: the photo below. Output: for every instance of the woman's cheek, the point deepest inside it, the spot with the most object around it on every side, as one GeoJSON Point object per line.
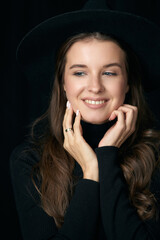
{"type": "Point", "coordinates": [72, 98]}
{"type": "Point", "coordinates": [119, 90]}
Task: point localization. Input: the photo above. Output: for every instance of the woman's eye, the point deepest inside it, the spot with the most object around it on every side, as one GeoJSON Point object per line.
{"type": "Point", "coordinates": [109, 74]}
{"type": "Point", "coordinates": [79, 74]}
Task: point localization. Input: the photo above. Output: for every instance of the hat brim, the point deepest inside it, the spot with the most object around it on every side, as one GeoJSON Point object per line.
{"type": "Point", "coordinates": [37, 50]}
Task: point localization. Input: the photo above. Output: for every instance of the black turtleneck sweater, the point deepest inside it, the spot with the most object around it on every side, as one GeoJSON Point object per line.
{"type": "Point", "coordinates": [97, 211]}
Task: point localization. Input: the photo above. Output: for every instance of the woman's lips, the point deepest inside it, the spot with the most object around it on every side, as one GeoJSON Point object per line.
{"type": "Point", "coordinates": [95, 104]}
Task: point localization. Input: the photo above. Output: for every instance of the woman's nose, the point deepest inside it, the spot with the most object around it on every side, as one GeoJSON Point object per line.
{"type": "Point", "coordinates": [95, 85]}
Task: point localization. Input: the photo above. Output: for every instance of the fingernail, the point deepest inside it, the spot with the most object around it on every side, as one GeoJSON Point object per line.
{"type": "Point", "coordinates": [68, 104]}
{"type": "Point", "coordinates": [109, 119]}
{"type": "Point", "coordinates": [77, 112]}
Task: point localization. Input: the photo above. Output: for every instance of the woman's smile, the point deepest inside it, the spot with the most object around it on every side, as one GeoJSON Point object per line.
{"type": "Point", "coordinates": [95, 103]}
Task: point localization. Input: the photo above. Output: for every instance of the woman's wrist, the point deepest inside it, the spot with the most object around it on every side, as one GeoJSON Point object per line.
{"type": "Point", "coordinates": [92, 173]}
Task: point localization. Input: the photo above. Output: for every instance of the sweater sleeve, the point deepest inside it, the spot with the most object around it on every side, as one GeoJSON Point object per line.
{"type": "Point", "coordinates": [120, 219]}
{"type": "Point", "coordinates": [82, 214]}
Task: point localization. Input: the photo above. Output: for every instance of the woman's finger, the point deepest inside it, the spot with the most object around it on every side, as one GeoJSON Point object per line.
{"type": "Point", "coordinates": [131, 116]}
{"type": "Point", "coordinates": [120, 125]}
{"type": "Point", "coordinates": [115, 135]}
{"type": "Point", "coordinates": [120, 117]}
{"type": "Point", "coordinates": [77, 124]}
{"type": "Point", "coordinates": [129, 106]}
{"type": "Point", "coordinates": [68, 118]}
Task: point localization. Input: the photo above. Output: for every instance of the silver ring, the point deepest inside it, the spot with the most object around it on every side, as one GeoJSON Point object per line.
{"type": "Point", "coordinates": [68, 129]}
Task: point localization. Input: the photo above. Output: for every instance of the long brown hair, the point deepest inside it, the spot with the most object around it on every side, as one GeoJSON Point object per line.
{"type": "Point", "coordinates": [137, 154]}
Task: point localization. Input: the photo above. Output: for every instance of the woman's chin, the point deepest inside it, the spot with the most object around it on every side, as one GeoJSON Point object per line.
{"type": "Point", "coordinates": [94, 120]}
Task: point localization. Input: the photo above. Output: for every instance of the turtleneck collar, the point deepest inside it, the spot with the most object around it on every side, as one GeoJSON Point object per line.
{"type": "Point", "coordinates": [93, 133]}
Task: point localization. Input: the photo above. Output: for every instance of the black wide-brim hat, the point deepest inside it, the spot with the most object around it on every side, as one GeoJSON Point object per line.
{"type": "Point", "coordinates": [37, 51]}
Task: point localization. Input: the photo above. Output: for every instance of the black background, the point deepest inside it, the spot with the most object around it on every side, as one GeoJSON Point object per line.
{"type": "Point", "coordinates": [20, 103]}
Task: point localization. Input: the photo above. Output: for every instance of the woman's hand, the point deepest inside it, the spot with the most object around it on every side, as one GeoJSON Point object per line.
{"type": "Point", "coordinates": [78, 148]}
{"type": "Point", "coordinates": [123, 128]}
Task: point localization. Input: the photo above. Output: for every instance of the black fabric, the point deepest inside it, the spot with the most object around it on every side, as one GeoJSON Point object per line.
{"type": "Point", "coordinates": [98, 210]}
{"type": "Point", "coordinates": [93, 133]}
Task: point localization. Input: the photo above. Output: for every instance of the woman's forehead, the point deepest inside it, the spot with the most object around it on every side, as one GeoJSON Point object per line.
{"type": "Point", "coordinates": [84, 51]}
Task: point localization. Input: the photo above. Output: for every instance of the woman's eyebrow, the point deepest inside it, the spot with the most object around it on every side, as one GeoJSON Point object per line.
{"type": "Point", "coordinates": [78, 65]}
{"type": "Point", "coordinates": [105, 66]}
{"type": "Point", "coordinates": [112, 65]}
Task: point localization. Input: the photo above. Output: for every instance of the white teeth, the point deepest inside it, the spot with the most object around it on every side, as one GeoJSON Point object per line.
{"type": "Point", "coordinates": [94, 102]}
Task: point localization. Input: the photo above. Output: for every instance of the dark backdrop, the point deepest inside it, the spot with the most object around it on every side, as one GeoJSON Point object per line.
{"type": "Point", "coordinates": [22, 101]}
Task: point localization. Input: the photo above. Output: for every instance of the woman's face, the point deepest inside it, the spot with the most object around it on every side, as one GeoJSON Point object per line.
{"type": "Point", "coordinates": [95, 79]}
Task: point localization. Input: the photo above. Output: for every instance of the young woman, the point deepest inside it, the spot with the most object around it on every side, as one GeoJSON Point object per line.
{"type": "Point", "coordinates": [91, 168]}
